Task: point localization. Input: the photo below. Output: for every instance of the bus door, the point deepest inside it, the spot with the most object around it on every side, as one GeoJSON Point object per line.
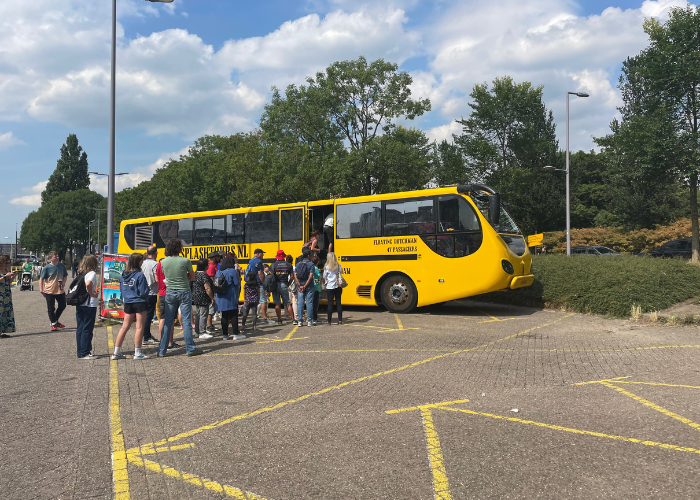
{"type": "Point", "coordinates": [292, 230]}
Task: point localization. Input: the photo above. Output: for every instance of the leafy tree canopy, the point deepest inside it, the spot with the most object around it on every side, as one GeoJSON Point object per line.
{"type": "Point", "coordinates": [71, 173]}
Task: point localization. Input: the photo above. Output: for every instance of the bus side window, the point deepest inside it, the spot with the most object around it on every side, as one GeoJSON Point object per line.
{"type": "Point", "coordinates": [359, 220]}
{"type": "Point", "coordinates": [168, 229]}
{"type": "Point", "coordinates": [456, 215]}
{"type": "Point", "coordinates": [185, 231]}
{"type": "Point", "coordinates": [262, 227]}
{"type": "Point", "coordinates": [292, 224]}
{"type": "Point", "coordinates": [235, 224]}
{"type": "Point", "coordinates": [409, 217]}
{"type": "Point", "coordinates": [202, 232]}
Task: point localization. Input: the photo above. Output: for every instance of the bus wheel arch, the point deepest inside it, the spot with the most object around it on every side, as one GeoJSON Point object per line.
{"type": "Point", "coordinates": [397, 292]}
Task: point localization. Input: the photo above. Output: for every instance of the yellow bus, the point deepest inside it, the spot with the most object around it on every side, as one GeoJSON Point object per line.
{"type": "Point", "coordinates": [399, 250]}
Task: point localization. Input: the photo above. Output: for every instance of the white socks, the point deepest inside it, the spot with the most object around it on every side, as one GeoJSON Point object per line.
{"type": "Point", "coordinates": [137, 351]}
{"type": "Point", "coordinates": [117, 351]}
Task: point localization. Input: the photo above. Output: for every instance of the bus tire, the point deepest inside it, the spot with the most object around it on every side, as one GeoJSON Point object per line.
{"type": "Point", "coordinates": [399, 294]}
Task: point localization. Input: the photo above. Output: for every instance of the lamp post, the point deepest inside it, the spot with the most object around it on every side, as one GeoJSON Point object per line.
{"type": "Point", "coordinates": [98, 210]}
{"type": "Point", "coordinates": [90, 236]}
{"type": "Point", "coordinates": [112, 99]}
{"type": "Point", "coordinates": [548, 167]}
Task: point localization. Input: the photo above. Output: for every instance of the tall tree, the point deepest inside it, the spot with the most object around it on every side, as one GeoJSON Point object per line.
{"type": "Point", "coordinates": [507, 139]}
{"type": "Point", "coordinates": [71, 173]}
{"type": "Point", "coordinates": [661, 90]}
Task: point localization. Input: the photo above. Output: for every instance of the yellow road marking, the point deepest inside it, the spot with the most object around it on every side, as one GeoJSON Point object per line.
{"type": "Point", "coordinates": [576, 431]}
{"type": "Point", "coordinates": [193, 479]}
{"type": "Point", "coordinates": [487, 314]}
{"type": "Point", "coordinates": [495, 319]}
{"type": "Point", "coordinates": [432, 405]}
{"type": "Point", "coordinates": [398, 320]}
{"type": "Point", "coordinates": [119, 470]}
{"type": "Point", "coordinates": [294, 330]}
{"type": "Point", "coordinates": [657, 383]}
{"type": "Point", "coordinates": [162, 449]}
{"type": "Point", "coordinates": [600, 381]}
{"type": "Point", "coordinates": [322, 351]}
{"type": "Point", "coordinates": [333, 388]}
{"type": "Point", "coordinates": [654, 406]}
{"type": "Point", "coordinates": [441, 485]}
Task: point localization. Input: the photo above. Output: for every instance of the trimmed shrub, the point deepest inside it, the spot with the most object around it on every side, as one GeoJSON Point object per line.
{"type": "Point", "coordinates": [604, 285]}
{"type": "Point", "coordinates": [618, 239]}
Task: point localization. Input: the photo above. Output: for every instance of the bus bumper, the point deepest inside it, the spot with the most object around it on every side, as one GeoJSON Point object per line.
{"type": "Point", "coordinates": [522, 281]}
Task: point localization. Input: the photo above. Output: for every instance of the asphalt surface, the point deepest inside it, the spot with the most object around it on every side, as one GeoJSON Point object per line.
{"type": "Point", "coordinates": [311, 412]}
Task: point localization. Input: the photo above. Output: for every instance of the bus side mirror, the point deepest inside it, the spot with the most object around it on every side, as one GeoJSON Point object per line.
{"type": "Point", "coordinates": [495, 208]}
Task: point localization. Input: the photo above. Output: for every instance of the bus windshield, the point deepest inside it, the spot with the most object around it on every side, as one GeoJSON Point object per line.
{"type": "Point", "coordinates": [505, 225]}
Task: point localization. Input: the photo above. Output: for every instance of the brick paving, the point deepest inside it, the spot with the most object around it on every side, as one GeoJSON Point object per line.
{"type": "Point", "coordinates": [313, 419]}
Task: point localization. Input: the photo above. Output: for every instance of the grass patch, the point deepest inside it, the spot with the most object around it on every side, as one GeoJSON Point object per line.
{"type": "Point", "coordinates": [611, 286]}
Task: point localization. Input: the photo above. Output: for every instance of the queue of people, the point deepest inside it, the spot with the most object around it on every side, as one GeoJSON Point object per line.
{"type": "Point", "coordinates": [171, 288]}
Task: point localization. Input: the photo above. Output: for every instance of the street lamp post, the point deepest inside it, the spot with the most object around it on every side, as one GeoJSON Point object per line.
{"type": "Point", "coordinates": [98, 210]}
{"type": "Point", "coordinates": [112, 118]}
{"type": "Point", "coordinates": [548, 167]}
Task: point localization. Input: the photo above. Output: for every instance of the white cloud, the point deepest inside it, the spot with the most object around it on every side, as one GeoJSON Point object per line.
{"type": "Point", "coordinates": [31, 200]}
{"type": "Point", "coordinates": [444, 132]}
{"type": "Point", "coordinates": [8, 139]}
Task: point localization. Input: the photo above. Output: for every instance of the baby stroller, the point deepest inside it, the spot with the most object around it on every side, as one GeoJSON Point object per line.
{"type": "Point", "coordinates": [26, 282]}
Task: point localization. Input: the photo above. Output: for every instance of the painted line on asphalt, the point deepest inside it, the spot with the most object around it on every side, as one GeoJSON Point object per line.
{"type": "Point", "coordinates": [398, 321]}
{"type": "Point", "coordinates": [657, 383]}
{"type": "Point", "coordinates": [653, 406]}
{"type": "Point", "coordinates": [576, 431]}
{"type": "Point", "coordinates": [193, 479]}
{"type": "Point", "coordinates": [600, 381]}
{"type": "Point", "coordinates": [323, 351]}
{"type": "Point", "coordinates": [288, 337]}
{"type": "Point", "coordinates": [120, 474]}
{"type": "Point", "coordinates": [492, 320]}
{"type": "Point", "coordinates": [333, 388]}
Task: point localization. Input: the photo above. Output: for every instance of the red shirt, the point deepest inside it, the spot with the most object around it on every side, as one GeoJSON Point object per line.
{"type": "Point", "coordinates": [161, 280]}
{"type": "Point", "coordinates": [211, 270]}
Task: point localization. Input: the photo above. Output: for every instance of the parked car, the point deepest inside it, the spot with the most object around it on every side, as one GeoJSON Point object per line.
{"type": "Point", "coordinates": [674, 248]}
{"type": "Point", "coordinates": [594, 250]}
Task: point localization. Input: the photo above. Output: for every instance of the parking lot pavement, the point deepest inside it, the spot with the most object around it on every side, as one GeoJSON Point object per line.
{"type": "Point", "coordinates": [464, 400]}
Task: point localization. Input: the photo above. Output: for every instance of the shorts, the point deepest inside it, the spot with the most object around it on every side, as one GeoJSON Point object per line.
{"type": "Point", "coordinates": [212, 309]}
{"type": "Point", "coordinates": [281, 295]}
{"type": "Point", "coordinates": [160, 307]}
{"type": "Point", "coordinates": [264, 296]}
{"type": "Point", "coordinates": [136, 307]}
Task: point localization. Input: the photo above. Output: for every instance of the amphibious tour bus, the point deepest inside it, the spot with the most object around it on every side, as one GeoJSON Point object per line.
{"type": "Point", "coordinates": [400, 250]}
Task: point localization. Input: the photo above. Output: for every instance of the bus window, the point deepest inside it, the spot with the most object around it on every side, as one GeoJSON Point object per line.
{"type": "Point", "coordinates": [168, 229]}
{"type": "Point", "coordinates": [202, 232]}
{"type": "Point", "coordinates": [456, 214]}
{"type": "Point", "coordinates": [359, 220]}
{"type": "Point", "coordinates": [185, 230]}
{"type": "Point", "coordinates": [409, 217]}
{"type": "Point", "coordinates": [292, 224]}
{"type": "Point", "coordinates": [235, 228]}
{"type": "Point", "coordinates": [261, 227]}
{"type": "Point", "coordinates": [218, 231]}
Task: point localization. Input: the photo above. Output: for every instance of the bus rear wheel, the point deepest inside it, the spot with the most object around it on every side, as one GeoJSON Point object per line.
{"type": "Point", "coordinates": [399, 294]}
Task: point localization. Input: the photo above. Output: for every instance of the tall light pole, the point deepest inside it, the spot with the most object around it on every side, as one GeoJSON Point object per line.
{"type": "Point", "coordinates": [568, 197]}
{"type": "Point", "coordinates": [98, 210]}
{"type": "Point", "coordinates": [112, 118]}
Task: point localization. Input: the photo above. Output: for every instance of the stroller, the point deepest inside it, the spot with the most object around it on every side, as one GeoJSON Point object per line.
{"type": "Point", "coordinates": [26, 281]}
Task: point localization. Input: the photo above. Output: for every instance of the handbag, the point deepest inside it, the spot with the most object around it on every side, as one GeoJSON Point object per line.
{"type": "Point", "coordinates": [341, 281]}
{"type": "Point", "coordinates": [219, 284]}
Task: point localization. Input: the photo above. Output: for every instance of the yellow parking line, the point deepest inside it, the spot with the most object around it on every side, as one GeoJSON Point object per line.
{"type": "Point", "coordinates": [398, 320]}
{"type": "Point", "coordinates": [654, 406]}
{"type": "Point", "coordinates": [441, 485]}
{"type": "Point", "coordinates": [576, 431]}
{"type": "Point", "coordinates": [495, 319]}
{"type": "Point", "coordinates": [120, 473]}
{"type": "Point", "coordinates": [600, 381]}
{"type": "Point", "coordinates": [657, 383]}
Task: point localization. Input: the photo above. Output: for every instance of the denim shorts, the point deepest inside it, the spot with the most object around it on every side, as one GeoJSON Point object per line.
{"type": "Point", "coordinates": [264, 296]}
{"type": "Point", "coordinates": [281, 295]}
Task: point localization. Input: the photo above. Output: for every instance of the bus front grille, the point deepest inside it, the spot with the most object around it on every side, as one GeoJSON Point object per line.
{"type": "Point", "coordinates": [365, 291]}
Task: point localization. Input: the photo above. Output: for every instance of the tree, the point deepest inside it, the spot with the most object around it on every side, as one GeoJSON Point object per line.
{"type": "Point", "coordinates": [661, 91]}
{"type": "Point", "coordinates": [450, 167]}
{"type": "Point", "coordinates": [71, 173]}
{"type": "Point", "coordinates": [505, 142]}
{"type": "Point", "coordinates": [62, 221]}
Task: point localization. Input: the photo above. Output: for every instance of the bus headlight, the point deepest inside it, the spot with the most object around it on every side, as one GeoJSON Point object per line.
{"type": "Point", "coordinates": [507, 266]}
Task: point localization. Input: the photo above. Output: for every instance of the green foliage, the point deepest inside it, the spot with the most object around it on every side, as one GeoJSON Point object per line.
{"type": "Point", "coordinates": [71, 173]}
{"type": "Point", "coordinates": [605, 285]}
{"type": "Point", "coordinates": [61, 222]}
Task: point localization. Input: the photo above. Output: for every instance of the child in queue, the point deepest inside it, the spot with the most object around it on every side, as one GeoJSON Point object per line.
{"type": "Point", "coordinates": [134, 289]}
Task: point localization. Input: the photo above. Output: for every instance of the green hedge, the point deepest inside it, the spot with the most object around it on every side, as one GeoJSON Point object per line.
{"type": "Point", "coordinates": [604, 285]}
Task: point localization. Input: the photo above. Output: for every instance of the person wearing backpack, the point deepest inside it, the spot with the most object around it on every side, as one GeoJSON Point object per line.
{"type": "Point", "coordinates": [202, 297]}
{"type": "Point", "coordinates": [134, 288]}
{"type": "Point", "coordinates": [304, 279]}
{"type": "Point", "coordinates": [282, 272]}
{"type": "Point", "coordinates": [86, 312]}
{"type": "Point", "coordinates": [251, 297]}
{"type": "Point", "coordinates": [227, 302]}
{"type": "Point", "coordinates": [334, 290]}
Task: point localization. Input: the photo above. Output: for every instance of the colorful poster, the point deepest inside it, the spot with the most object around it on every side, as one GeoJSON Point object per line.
{"type": "Point", "coordinates": [112, 268]}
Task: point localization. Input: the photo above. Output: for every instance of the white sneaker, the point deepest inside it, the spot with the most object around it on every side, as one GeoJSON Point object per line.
{"type": "Point", "coordinates": [140, 356]}
{"type": "Point", "coordinates": [239, 336]}
{"type": "Point", "coordinates": [309, 323]}
{"type": "Point", "coordinates": [205, 336]}
{"type": "Point", "coordinates": [89, 356]}
{"type": "Point", "coordinates": [118, 356]}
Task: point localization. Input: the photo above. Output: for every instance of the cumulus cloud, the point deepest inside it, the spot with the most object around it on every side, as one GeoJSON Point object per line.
{"type": "Point", "coordinates": [33, 199]}
{"type": "Point", "coordinates": [8, 139]}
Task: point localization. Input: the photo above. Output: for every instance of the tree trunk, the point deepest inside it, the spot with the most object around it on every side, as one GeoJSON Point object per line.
{"type": "Point", "coordinates": [694, 217]}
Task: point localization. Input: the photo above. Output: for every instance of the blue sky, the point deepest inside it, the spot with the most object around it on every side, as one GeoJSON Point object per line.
{"type": "Point", "coordinates": [195, 67]}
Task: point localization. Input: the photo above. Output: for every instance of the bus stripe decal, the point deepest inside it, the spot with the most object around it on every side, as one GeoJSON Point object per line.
{"type": "Point", "coordinates": [367, 258]}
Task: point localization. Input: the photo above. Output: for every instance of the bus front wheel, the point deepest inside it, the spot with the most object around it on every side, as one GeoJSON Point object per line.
{"type": "Point", "coordinates": [399, 294]}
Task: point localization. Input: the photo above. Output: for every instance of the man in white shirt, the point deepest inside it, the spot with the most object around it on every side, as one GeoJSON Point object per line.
{"type": "Point", "coordinates": [148, 268]}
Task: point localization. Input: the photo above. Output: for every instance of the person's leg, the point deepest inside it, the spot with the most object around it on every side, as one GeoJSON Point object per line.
{"type": "Point", "coordinates": [79, 321]}
{"type": "Point", "coordinates": [255, 315]}
{"type": "Point", "coordinates": [61, 300]}
{"type": "Point", "coordinates": [317, 297]}
{"type": "Point", "coordinates": [339, 304]}
{"type": "Point", "coordinates": [170, 308]}
{"type": "Point", "coordinates": [196, 322]}
{"type": "Point", "coordinates": [244, 313]}
{"type": "Point", "coordinates": [263, 303]}
{"type": "Point", "coordinates": [295, 312]}
{"type": "Point", "coordinates": [89, 328]}
{"type": "Point", "coordinates": [128, 320]}
{"type": "Point", "coordinates": [233, 315]}
{"type": "Point", "coordinates": [309, 305]}
{"type": "Point", "coordinates": [203, 317]}
{"type": "Point", "coordinates": [186, 308]}
{"type": "Point", "coordinates": [140, 321]}
{"type": "Point", "coordinates": [300, 307]}
{"type": "Point", "coordinates": [329, 297]}
{"type": "Point", "coordinates": [224, 323]}
{"type": "Point", "coordinates": [51, 308]}
{"type": "Point", "coordinates": [150, 312]}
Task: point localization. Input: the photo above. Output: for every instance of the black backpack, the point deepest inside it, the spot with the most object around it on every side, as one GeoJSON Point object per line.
{"type": "Point", "coordinates": [270, 283]}
{"type": "Point", "coordinates": [77, 291]}
{"type": "Point", "coordinates": [303, 271]}
{"type": "Point", "coordinates": [219, 284]}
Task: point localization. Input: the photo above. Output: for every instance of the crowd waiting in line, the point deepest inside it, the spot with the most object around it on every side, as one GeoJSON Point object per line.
{"type": "Point", "coordinates": [172, 287]}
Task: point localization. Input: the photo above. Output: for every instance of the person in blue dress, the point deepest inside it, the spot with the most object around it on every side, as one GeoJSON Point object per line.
{"type": "Point", "coordinates": [7, 313]}
{"type": "Point", "coordinates": [227, 303]}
